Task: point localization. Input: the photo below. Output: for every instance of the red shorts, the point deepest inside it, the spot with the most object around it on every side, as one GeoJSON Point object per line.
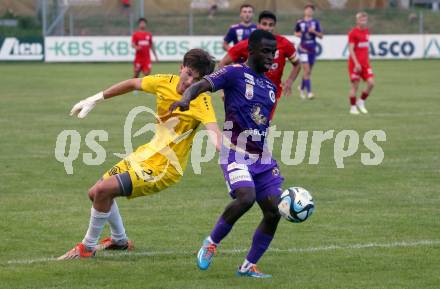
{"type": "Point", "coordinates": [143, 65]}
{"type": "Point", "coordinates": [365, 73]}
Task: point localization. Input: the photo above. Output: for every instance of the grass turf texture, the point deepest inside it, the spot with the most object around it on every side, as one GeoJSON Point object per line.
{"type": "Point", "coordinates": [44, 212]}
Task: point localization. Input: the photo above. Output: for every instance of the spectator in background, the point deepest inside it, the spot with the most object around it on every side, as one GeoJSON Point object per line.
{"type": "Point", "coordinates": [308, 29]}
{"type": "Point", "coordinates": [240, 31]}
{"type": "Point", "coordinates": [126, 3]}
{"type": "Point", "coordinates": [214, 5]}
{"type": "Point", "coordinates": [212, 10]}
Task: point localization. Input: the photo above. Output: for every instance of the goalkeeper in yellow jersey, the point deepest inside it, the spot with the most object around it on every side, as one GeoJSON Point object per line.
{"type": "Point", "coordinates": [155, 165]}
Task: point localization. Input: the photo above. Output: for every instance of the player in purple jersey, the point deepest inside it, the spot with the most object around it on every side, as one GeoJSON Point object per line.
{"type": "Point", "coordinates": [249, 170]}
{"type": "Point", "coordinates": [308, 29]}
{"type": "Point", "coordinates": [242, 30]}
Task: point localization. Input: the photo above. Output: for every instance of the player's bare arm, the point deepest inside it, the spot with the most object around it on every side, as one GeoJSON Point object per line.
{"type": "Point", "coordinates": [123, 87]}
{"type": "Point", "coordinates": [153, 48]}
{"type": "Point", "coordinates": [226, 60]}
{"type": "Point", "coordinates": [82, 108]}
{"type": "Point", "coordinates": [317, 33]}
{"type": "Point", "coordinates": [353, 56]}
{"type": "Point", "coordinates": [296, 67]}
{"type": "Point", "coordinates": [216, 137]}
{"type": "Point", "coordinates": [226, 46]}
{"type": "Point", "coordinates": [135, 47]}
{"type": "Point", "coordinates": [191, 93]}
{"type": "Point", "coordinates": [214, 134]}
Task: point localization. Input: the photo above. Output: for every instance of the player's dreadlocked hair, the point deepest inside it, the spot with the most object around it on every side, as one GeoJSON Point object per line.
{"type": "Point", "coordinates": [267, 14]}
{"type": "Point", "coordinates": [258, 35]}
{"type": "Point", "coordinates": [199, 60]}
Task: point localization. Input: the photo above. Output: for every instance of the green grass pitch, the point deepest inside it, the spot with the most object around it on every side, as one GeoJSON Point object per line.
{"type": "Point", "coordinates": [375, 226]}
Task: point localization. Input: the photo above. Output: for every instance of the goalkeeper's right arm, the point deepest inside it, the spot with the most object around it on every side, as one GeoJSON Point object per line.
{"type": "Point", "coordinates": [82, 108]}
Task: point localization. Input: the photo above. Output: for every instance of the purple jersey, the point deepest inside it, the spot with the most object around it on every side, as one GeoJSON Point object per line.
{"type": "Point", "coordinates": [249, 100]}
{"type": "Point", "coordinates": [308, 40]}
{"type": "Point", "coordinates": [239, 32]}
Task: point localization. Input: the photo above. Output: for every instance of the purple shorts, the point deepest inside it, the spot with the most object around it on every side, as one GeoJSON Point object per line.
{"type": "Point", "coordinates": [306, 56]}
{"type": "Point", "coordinates": [265, 178]}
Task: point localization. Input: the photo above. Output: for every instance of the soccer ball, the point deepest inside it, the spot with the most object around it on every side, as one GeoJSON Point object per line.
{"type": "Point", "coordinates": [296, 205]}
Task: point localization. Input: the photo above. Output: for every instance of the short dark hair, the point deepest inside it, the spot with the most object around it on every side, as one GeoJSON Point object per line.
{"type": "Point", "coordinates": [142, 19]}
{"type": "Point", "coordinates": [258, 35]}
{"type": "Point", "coordinates": [245, 5]}
{"type": "Point", "coordinates": [199, 60]}
{"type": "Point", "coordinates": [267, 14]}
{"type": "Point", "coordinates": [309, 5]}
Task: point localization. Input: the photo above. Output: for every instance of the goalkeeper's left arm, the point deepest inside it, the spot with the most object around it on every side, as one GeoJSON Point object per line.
{"type": "Point", "coordinates": [82, 108]}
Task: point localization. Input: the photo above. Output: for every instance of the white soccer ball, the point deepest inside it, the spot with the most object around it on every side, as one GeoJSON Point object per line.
{"type": "Point", "coordinates": [296, 204]}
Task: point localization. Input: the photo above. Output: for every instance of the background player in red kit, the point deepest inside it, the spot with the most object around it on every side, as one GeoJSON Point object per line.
{"type": "Point", "coordinates": [359, 64]}
{"type": "Point", "coordinates": [142, 41]}
{"type": "Point", "coordinates": [285, 50]}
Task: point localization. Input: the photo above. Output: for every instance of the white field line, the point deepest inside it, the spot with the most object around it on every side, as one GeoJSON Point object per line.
{"type": "Point", "coordinates": [400, 244]}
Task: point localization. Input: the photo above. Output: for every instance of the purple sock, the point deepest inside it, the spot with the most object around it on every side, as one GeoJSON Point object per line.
{"type": "Point", "coordinates": [308, 85]}
{"type": "Point", "coordinates": [220, 231]}
{"type": "Point", "coordinates": [303, 84]}
{"type": "Point", "coordinates": [260, 243]}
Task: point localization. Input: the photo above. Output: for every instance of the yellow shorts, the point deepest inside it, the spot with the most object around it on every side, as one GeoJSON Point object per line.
{"type": "Point", "coordinates": [147, 177]}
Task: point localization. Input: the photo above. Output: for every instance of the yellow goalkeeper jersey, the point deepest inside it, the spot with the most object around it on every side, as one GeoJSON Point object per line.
{"type": "Point", "coordinates": [174, 133]}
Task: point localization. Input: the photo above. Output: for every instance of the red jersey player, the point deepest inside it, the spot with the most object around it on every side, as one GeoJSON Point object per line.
{"type": "Point", "coordinates": [285, 50]}
{"type": "Point", "coordinates": [358, 63]}
{"type": "Point", "coordinates": [142, 41]}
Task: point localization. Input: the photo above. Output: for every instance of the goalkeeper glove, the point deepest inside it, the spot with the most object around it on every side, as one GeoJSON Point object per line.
{"type": "Point", "coordinates": [82, 108]}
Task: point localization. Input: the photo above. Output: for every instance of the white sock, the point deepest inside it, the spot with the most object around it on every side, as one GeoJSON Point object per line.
{"type": "Point", "coordinates": [211, 241]}
{"type": "Point", "coordinates": [97, 222]}
{"type": "Point", "coordinates": [360, 102]}
{"type": "Point", "coordinates": [246, 266]}
{"type": "Point", "coordinates": [116, 226]}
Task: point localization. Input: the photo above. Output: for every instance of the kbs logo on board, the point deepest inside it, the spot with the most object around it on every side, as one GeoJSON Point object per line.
{"type": "Point", "coordinates": [16, 48]}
